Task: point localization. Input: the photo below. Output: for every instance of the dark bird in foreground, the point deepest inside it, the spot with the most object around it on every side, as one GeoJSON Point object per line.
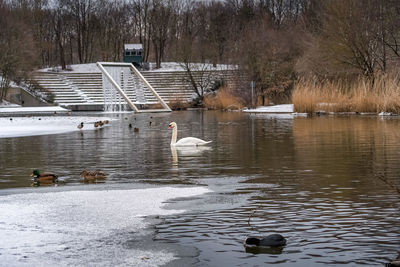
{"type": "Point", "coordinates": [80, 125]}
{"type": "Point", "coordinates": [395, 262]}
{"type": "Point", "coordinates": [45, 178]}
{"type": "Point", "coordinates": [273, 240]}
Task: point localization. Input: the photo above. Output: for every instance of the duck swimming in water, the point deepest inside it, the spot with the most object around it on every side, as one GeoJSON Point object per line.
{"type": "Point", "coordinates": [45, 178]}
{"type": "Point", "coordinates": [93, 176]}
{"type": "Point", "coordinates": [273, 240]}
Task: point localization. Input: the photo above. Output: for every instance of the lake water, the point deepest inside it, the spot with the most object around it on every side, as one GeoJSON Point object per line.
{"type": "Point", "coordinates": [314, 180]}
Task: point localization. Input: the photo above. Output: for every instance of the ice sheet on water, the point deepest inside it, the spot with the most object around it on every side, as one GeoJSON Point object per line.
{"type": "Point", "coordinates": [30, 126]}
{"type": "Point", "coordinates": [82, 227]}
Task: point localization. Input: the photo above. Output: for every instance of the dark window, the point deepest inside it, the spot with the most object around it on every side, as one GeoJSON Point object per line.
{"type": "Point", "coordinates": [139, 53]}
{"type": "Point", "coordinates": [127, 53]}
{"type": "Point", "coordinates": [133, 53]}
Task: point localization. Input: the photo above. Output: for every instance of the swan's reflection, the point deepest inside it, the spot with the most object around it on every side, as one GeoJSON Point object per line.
{"type": "Point", "coordinates": [186, 151]}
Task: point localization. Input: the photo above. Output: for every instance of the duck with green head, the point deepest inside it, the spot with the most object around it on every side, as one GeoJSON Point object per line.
{"type": "Point", "coordinates": [45, 178]}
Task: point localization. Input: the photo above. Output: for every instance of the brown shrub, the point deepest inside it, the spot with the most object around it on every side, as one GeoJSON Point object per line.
{"type": "Point", "coordinates": [224, 99]}
{"type": "Point", "coordinates": [178, 104]}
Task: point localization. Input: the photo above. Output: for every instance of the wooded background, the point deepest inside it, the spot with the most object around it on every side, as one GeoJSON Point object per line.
{"type": "Point", "coordinates": [274, 42]}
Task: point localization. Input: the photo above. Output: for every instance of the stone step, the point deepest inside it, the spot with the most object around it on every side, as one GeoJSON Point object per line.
{"type": "Point", "coordinates": [171, 86]}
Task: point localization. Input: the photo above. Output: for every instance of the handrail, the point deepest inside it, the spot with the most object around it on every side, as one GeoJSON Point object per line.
{"type": "Point", "coordinates": [101, 65]}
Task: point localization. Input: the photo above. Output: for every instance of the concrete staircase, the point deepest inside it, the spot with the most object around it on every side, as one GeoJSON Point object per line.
{"type": "Point", "coordinates": [59, 87]}
{"type": "Point", "coordinates": [83, 91]}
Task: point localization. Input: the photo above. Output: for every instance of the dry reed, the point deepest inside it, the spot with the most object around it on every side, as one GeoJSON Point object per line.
{"type": "Point", "coordinates": [383, 95]}
{"type": "Point", "coordinates": [178, 104]}
{"type": "Point", "coordinates": [224, 99]}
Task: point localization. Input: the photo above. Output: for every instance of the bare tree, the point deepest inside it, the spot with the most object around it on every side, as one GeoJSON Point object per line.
{"type": "Point", "coordinates": [17, 51]}
{"type": "Point", "coordinates": [59, 22]}
{"type": "Point", "coordinates": [114, 28]}
{"type": "Point", "coordinates": [140, 10]}
{"type": "Point", "coordinates": [161, 17]}
{"type": "Point", "coordinates": [218, 31]}
{"type": "Point", "coordinates": [267, 56]}
{"type": "Point", "coordinates": [355, 36]}
{"type": "Point", "coordinates": [83, 13]}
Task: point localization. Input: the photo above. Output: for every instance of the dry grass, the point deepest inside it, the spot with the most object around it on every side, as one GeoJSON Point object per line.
{"type": "Point", "coordinates": [359, 96]}
{"type": "Point", "coordinates": [178, 104]}
{"type": "Point", "coordinates": [224, 99]}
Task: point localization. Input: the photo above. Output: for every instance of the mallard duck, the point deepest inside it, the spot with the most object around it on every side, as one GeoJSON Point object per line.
{"type": "Point", "coordinates": [96, 124]}
{"type": "Point", "coordinates": [101, 123]}
{"type": "Point", "coordinates": [273, 240]}
{"type": "Point", "coordinates": [106, 121]}
{"type": "Point", "coordinates": [45, 178]}
{"type": "Point", "coordinates": [136, 130]}
{"type": "Point", "coordinates": [92, 176]}
{"type": "Point", "coordinates": [80, 125]}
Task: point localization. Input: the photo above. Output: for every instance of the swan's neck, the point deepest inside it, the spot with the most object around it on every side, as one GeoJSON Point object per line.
{"type": "Point", "coordinates": [174, 135]}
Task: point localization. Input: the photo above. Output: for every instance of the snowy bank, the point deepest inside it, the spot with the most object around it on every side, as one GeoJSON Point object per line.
{"type": "Point", "coordinates": [175, 66]}
{"type": "Point", "coordinates": [30, 126]}
{"type": "Point", "coordinates": [286, 108]}
{"type": "Point", "coordinates": [31, 110]}
{"type": "Point", "coordinates": [6, 104]}
{"type": "Point", "coordinates": [84, 228]}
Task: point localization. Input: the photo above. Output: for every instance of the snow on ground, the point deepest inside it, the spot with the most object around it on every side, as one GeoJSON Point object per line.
{"type": "Point", "coordinates": [85, 228]}
{"type": "Point", "coordinates": [165, 66]}
{"type": "Point", "coordinates": [6, 104]}
{"type": "Point", "coordinates": [31, 126]}
{"type": "Point", "coordinates": [12, 84]}
{"type": "Point", "coordinates": [286, 108]}
{"type": "Point", "coordinates": [174, 66]}
{"type": "Point", "coordinates": [90, 67]}
{"type": "Point", "coordinates": [18, 109]}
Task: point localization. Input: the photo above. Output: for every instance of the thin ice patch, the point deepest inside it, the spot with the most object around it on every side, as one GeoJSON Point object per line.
{"type": "Point", "coordinates": [69, 227]}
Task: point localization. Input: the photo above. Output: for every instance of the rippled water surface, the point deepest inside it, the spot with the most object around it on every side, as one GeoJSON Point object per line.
{"type": "Point", "coordinates": [317, 181]}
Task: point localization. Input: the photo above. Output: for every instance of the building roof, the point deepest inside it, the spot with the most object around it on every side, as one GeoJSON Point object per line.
{"type": "Point", "coordinates": [133, 47]}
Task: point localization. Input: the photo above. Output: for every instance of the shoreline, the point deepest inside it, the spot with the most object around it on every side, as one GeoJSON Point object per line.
{"type": "Point", "coordinates": [134, 237]}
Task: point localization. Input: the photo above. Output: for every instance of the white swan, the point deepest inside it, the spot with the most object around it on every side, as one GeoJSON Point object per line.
{"type": "Point", "coordinates": [187, 141]}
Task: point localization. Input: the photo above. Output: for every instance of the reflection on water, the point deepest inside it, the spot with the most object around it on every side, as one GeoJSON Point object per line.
{"type": "Point", "coordinates": [313, 180]}
{"type": "Point", "coordinates": [264, 250]}
{"type": "Point", "coordinates": [185, 152]}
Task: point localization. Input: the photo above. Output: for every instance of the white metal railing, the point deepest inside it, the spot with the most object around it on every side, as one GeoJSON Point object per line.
{"type": "Point", "coordinates": [115, 80]}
